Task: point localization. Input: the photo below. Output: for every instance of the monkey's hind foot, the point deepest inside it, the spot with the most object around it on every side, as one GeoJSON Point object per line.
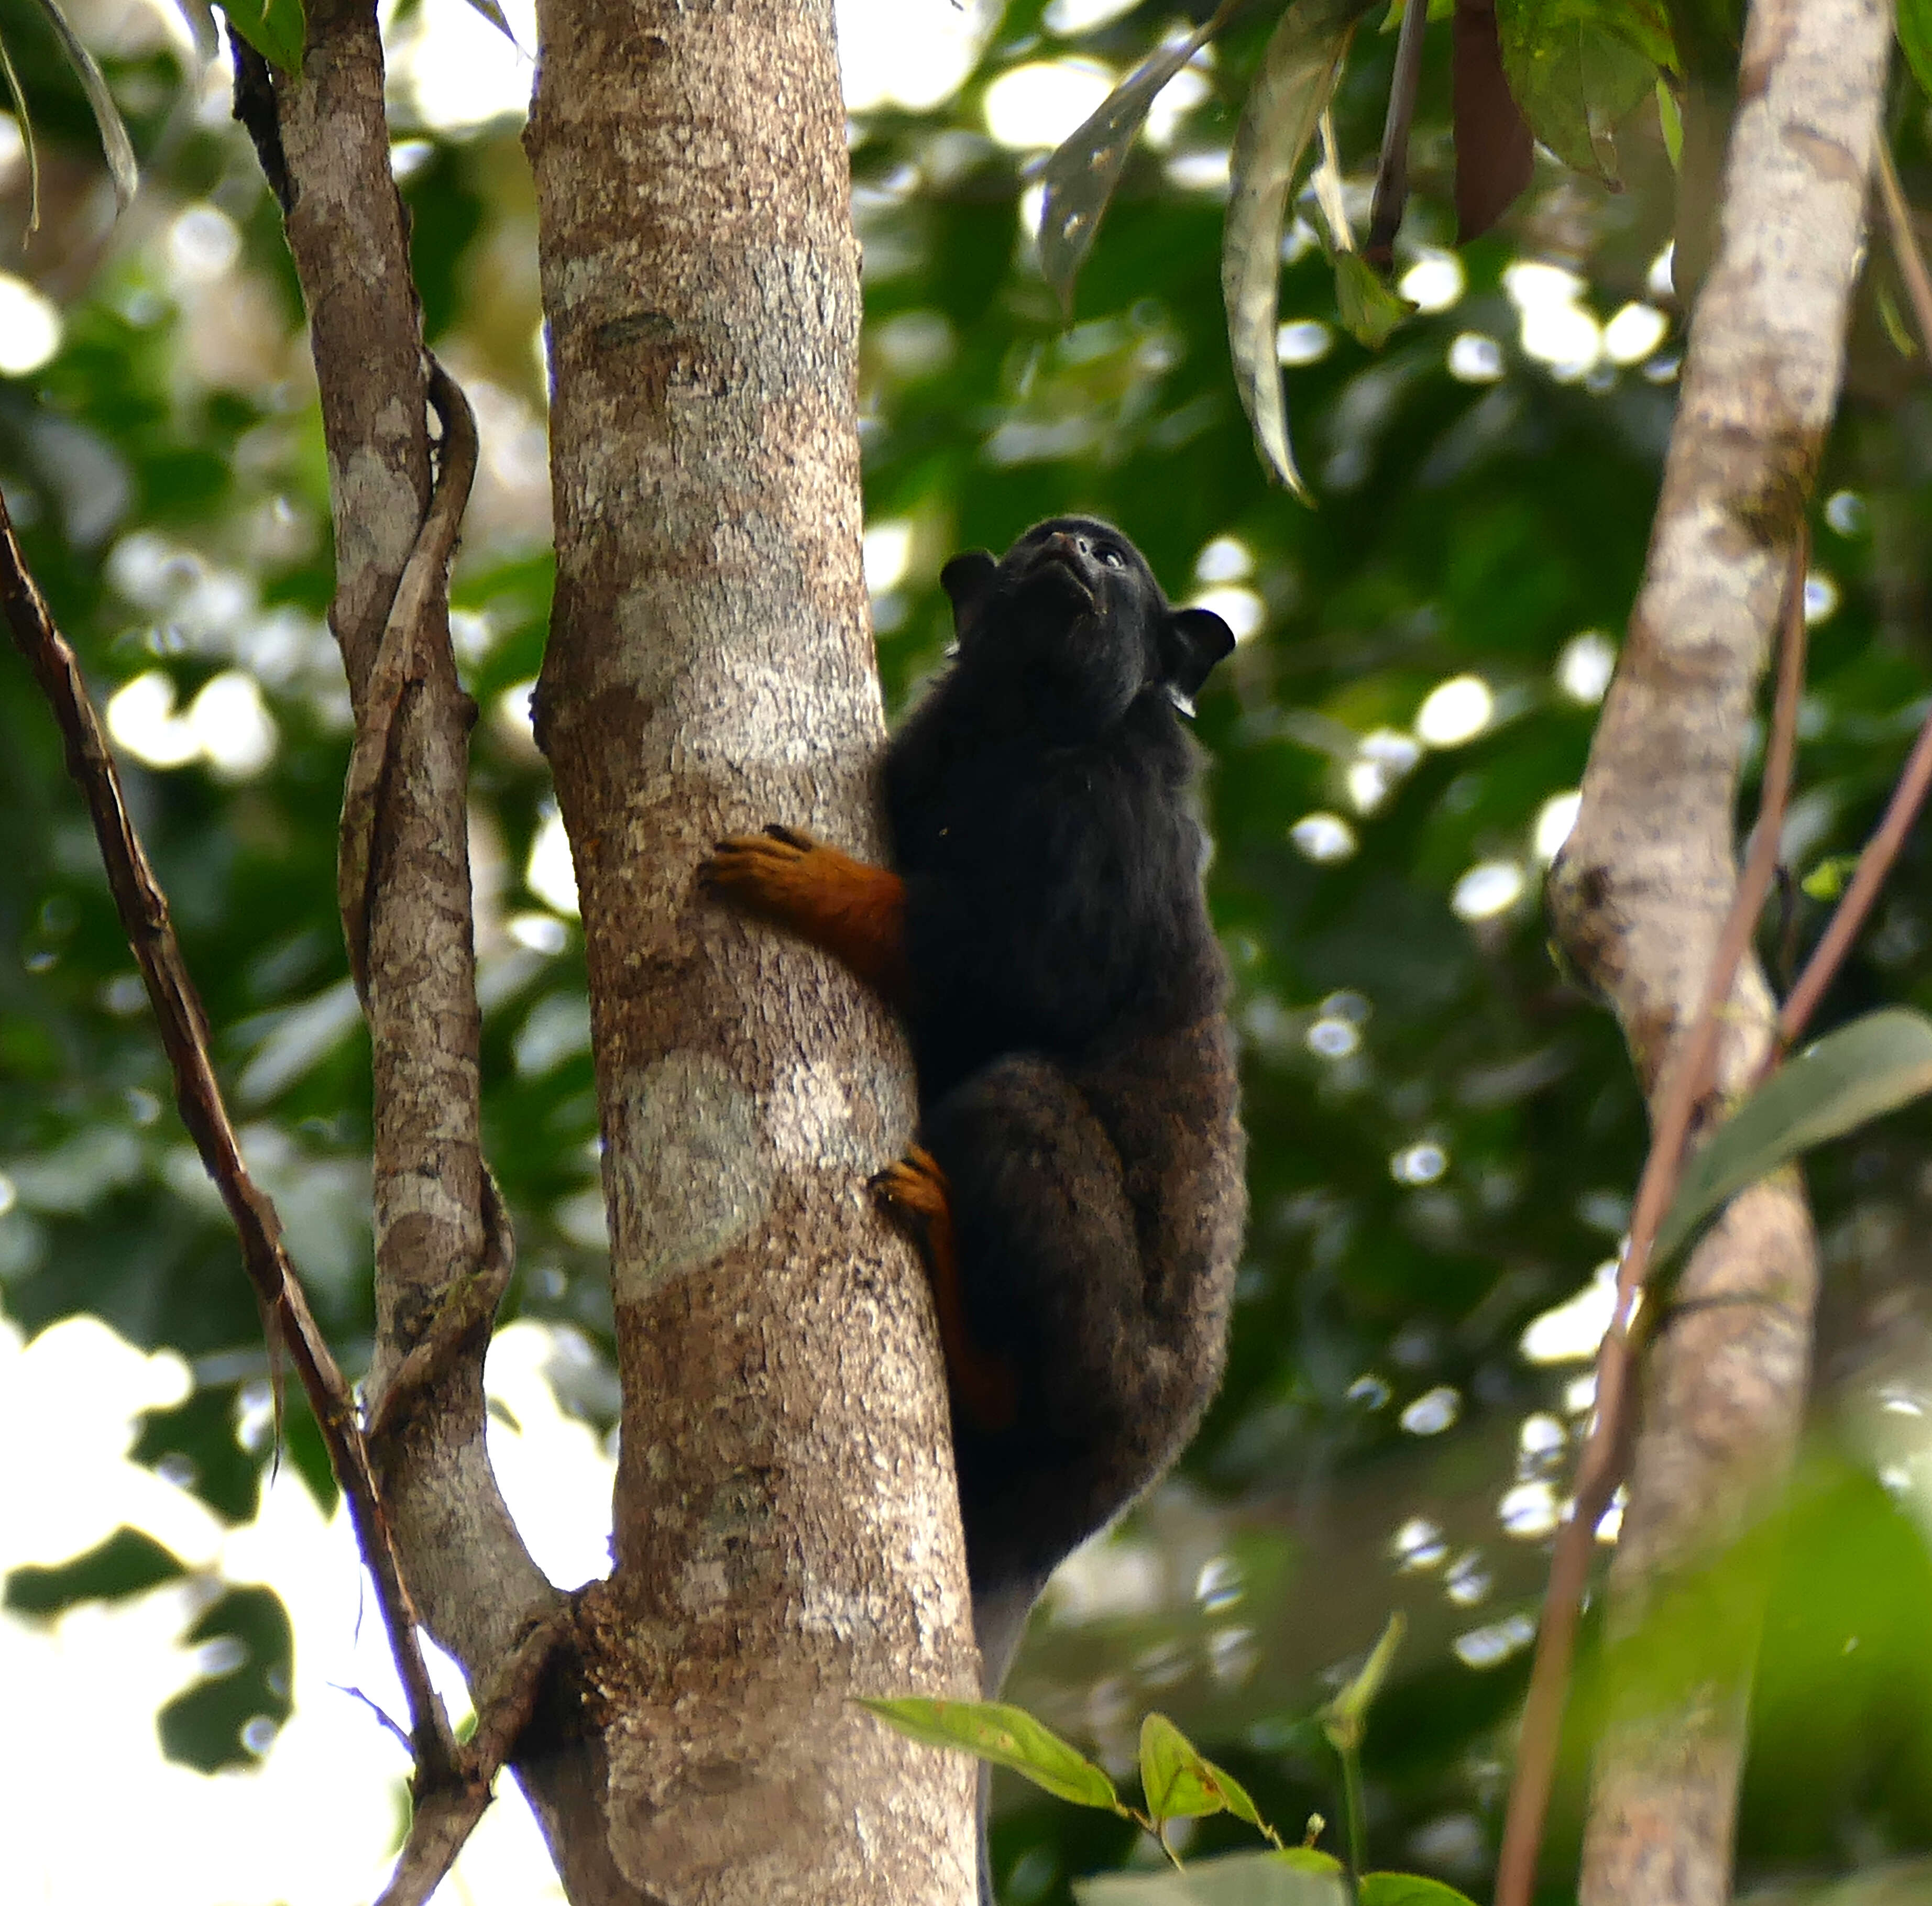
{"type": "Point", "coordinates": [913, 1195]}
{"type": "Point", "coordinates": [854, 912]}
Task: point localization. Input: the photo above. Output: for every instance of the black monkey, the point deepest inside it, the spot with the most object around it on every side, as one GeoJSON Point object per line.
{"type": "Point", "coordinates": [1077, 1190]}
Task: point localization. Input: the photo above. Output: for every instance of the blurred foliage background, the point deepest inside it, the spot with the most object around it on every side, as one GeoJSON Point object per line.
{"type": "Point", "coordinates": [1444, 1132]}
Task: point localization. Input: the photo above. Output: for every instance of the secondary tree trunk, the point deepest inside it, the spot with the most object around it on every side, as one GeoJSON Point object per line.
{"type": "Point", "coordinates": [786, 1529]}
{"type": "Point", "coordinates": [1642, 888]}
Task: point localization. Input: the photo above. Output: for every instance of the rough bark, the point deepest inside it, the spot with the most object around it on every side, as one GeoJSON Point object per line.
{"type": "Point", "coordinates": [473, 1581]}
{"type": "Point", "coordinates": [1641, 892]}
{"type": "Point", "coordinates": [786, 1529]}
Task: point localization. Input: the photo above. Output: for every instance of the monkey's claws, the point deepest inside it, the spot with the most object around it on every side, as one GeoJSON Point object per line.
{"type": "Point", "coordinates": [911, 1191]}
{"type": "Point", "coordinates": [747, 863]}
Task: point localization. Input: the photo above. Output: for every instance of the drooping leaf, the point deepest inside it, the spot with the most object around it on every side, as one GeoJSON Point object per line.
{"type": "Point", "coordinates": [1579, 68]}
{"type": "Point", "coordinates": [275, 29]}
{"type": "Point", "coordinates": [200, 17]}
{"type": "Point", "coordinates": [1407, 1889]}
{"type": "Point", "coordinates": [1285, 104]}
{"type": "Point", "coordinates": [493, 14]}
{"type": "Point", "coordinates": [1369, 308]}
{"type": "Point", "coordinates": [115, 143]}
{"type": "Point", "coordinates": [1081, 176]}
{"type": "Point", "coordinates": [1181, 1783]}
{"type": "Point", "coordinates": [1849, 1078]}
{"type": "Point", "coordinates": [1298, 1877]}
{"type": "Point", "coordinates": [1008, 1735]}
{"type": "Point", "coordinates": [25, 120]}
{"type": "Point", "coordinates": [1495, 154]}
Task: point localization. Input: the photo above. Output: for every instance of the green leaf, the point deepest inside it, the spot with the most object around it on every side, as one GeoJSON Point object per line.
{"type": "Point", "coordinates": [1008, 1735]}
{"type": "Point", "coordinates": [1915, 37]}
{"type": "Point", "coordinates": [1847, 1079]}
{"type": "Point", "coordinates": [1299, 1877]}
{"type": "Point", "coordinates": [1081, 176]}
{"type": "Point", "coordinates": [1285, 104]}
{"type": "Point", "coordinates": [1181, 1783]}
{"type": "Point", "coordinates": [1828, 879]}
{"type": "Point", "coordinates": [1407, 1889]}
{"type": "Point", "coordinates": [493, 14]}
{"type": "Point", "coordinates": [1579, 68]}
{"type": "Point", "coordinates": [275, 29]}
{"type": "Point", "coordinates": [1344, 1717]}
{"type": "Point", "coordinates": [127, 1563]}
{"type": "Point", "coordinates": [115, 143]}
{"type": "Point", "coordinates": [1369, 309]}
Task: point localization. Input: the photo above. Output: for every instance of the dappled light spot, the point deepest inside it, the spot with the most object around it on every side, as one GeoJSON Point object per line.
{"type": "Point", "coordinates": [549, 873]}
{"type": "Point", "coordinates": [1242, 610]}
{"type": "Point", "coordinates": [1332, 1038]}
{"type": "Point", "coordinates": [1304, 340]}
{"type": "Point", "coordinates": [1225, 559]}
{"type": "Point", "coordinates": [1323, 836]}
{"type": "Point", "coordinates": [1845, 511]}
{"type": "Point", "coordinates": [910, 53]}
{"type": "Point", "coordinates": [1556, 330]}
{"type": "Point", "coordinates": [1369, 1391]}
{"type": "Point", "coordinates": [1220, 1584]}
{"type": "Point", "coordinates": [1038, 104]}
{"type": "Point", "coordinates": [1554, 821]}
{"type": "Point", "coordinates": [1417, 1545]}
{"type": "Point", "coordinates": [1455, 712]}
{"type": "Point", "coordinates": [888, 555]}
{"type": "Point", "coordinates": [1540, 1441]}
{"type": "Point", "coordinates": [1659, 280]}
{"type": "Point", "coordinates": [1420, 1163]}
{"type": "Point", "coordinates": [461, 70]}
{"type": "Point", "coordinates": [1205, 171]}
{"type": "Point", "coordinates": [1187, 89]}
{"type": "Point", "coordinates": [1584, 669]}
{"type": "Point", "coordinates": [203, 243]}
{"type": "Point", "coordinates": [1069, 17]}
{"type": "Point", "coordinates": [540, 933]}
{"type": "Point", "coordinates": [1491, 1645]}
{"type": "Point", "coordinates": [1475, 359]}
{"type": "Point", "coordinates": [1467, 1580]}
{"type": "Point", "coordinates": [1571, 1331]}
{"type": "Point", "coordinates": [1490, 888]}
{"type": "Point", "coordinates": [1821, 598]}
{"type": "Point", "coordinates": [1434, 283]}
{"type": "Point", "coordinates": [1434, 1411]}
{"type": "Point", "coordinates": [1386, 755]}
{"type": "Point", "coordinates": [141, 717]}
{"type": "Point", "coordinates": [30, 326]}
{"type": "Point", "coordinates": [1634, 333]}
{"type": "Point", "coordinates": [1530, 1511]}
{"type": "Point", "coordinates": [232, 728]}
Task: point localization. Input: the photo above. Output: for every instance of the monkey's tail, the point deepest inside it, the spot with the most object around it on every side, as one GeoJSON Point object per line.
{"type": "Point", "coordinates": [1000, 1614]}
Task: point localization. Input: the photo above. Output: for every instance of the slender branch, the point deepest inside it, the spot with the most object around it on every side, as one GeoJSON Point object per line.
{"type": "Point", "coordinates": [145, 917]}
{"type": "Point", "coordinates": [1905, 245]}
{"type": "Point", "coordinates": [446, 1815]}
{"type": "Point", "coordinates": [1908, 796]}
{"type": "Point", "coordinates": [1391, 193]}
{"type": "Point", "coordinates": [1874, 864]}
{"type": "Point", "coordinates": [1607, 1448]}
{"type": "Point", "coordinates": [425, 579]}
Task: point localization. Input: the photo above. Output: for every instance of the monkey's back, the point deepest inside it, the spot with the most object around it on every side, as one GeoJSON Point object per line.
{"type": "Point", "coordinates": [1078, 1085]}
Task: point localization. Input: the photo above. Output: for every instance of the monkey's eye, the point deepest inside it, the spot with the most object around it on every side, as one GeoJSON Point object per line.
{"type": "Point", "coordinates": [1113, 558]}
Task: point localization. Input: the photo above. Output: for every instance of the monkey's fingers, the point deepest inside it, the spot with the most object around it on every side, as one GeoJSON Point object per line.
{"type": "Point", "coordinates": [750, 864]}
{"type": "Point", "coordinates": [912, 1192]}
{"type": "Point", "coordinates": [913, 1195]}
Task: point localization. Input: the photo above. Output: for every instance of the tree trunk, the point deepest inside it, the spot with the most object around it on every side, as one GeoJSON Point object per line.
{"type": "Point", "coordinates": [1642, 891]}
{"type": "Point", "coordinates": [787, 1527]}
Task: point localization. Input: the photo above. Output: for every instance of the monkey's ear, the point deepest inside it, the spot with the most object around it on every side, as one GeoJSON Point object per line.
{"type": "Point", "coordinates": [966, 579]}
{"type": "Point", "coordinates": [1194, 641]}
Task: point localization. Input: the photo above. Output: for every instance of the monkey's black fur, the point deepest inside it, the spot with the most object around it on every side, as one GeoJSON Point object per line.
{"type": "Point", "coordinates": [1076, 1070]}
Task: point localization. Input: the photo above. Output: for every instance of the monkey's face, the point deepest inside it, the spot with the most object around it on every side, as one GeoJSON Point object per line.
{"type": "Point", "coordinates": [1072, 616]}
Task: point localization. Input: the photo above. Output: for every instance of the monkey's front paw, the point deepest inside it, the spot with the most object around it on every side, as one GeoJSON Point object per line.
{"type": "Point", "coordinates": [912, 1191]}
{"type": "Point", "coordinates": [756, 866]}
